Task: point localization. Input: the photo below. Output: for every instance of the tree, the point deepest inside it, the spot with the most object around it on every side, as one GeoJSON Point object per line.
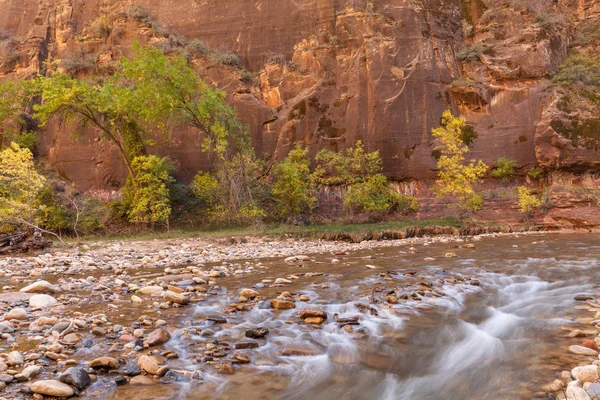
{"type": "Point", "coordinates": [456, 176]}
{"type": "Point", "coordinates": [346, 168]}
{"type": "Point", "coordinates": [528, 203]}
{"type": "Point", "coordinates": [293, 183]}
{"type": "Point", "coordinates": [173, 95]}
{"type": "Point", "coordinates": [111, 105]}
{"type": "Point", "coordinates": [20, 184]}
{"type": "Point", "coordinates": [15, 123]}
{"type": "Point", "coordinates": [361, 172]}
{"type": "Point", "coordinates": [149, 201]}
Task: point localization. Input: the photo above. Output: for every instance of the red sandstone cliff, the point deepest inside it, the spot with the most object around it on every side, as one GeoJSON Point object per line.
{"type": "Point", "coordinates": [380, 71]}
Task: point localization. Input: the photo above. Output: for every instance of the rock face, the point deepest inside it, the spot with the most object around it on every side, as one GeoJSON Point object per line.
{"type": "Point", "coordinates": [381, 72]}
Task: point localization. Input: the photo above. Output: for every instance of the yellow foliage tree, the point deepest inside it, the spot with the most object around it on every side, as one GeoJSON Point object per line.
{"type": "Point", "coordinates": [528, 202]}
{"type": "Point", "coordinates": [456, 176]}
{"type": "Point", "coordinates": [19, 185]}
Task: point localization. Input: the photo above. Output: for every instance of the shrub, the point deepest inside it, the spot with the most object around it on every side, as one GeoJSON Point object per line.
{"type": "Point", "coordinates": [535, 172]}
{"type": "Point", "coordinates": [374, 195]}
{"type": "Point", "coordinates": [78, 62]}
{"type": "Point", "coordinates": [473, 52]}
{"type": "Point", "coordinates": [588, 33]}
{"type": "Point", "coordinates": [528, 203]}
{"type": "Point", "coordinates": [293, 183]}
{"type": "Point", "coordinates": [147, 197]}
{"type": "Point", "coordinates": [102, 26]}
{"type": "Point", "coordinates": [505, 169]}
{"type": "Point", "coordinates": [206, 188]}
{"type": "Point", "coordinates": [277, 59]}
{"type": "Point", "coordinates": [197, 47]}
{"type": "Point", "coordinates": [227, 58]}
{"type": "Point", "coordinates": [579, 68]}
{"type": "Point", "coordinates": [346, 168]}
{"type": "Point", "coordinates": [456, 177]}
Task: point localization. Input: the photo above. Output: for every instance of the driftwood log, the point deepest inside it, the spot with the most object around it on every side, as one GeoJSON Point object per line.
{"type": "Point", "coordinates": [22, 242]}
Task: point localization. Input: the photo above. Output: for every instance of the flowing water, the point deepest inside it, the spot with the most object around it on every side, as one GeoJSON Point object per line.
{"type": "Point", "coordinates": [490, 323]}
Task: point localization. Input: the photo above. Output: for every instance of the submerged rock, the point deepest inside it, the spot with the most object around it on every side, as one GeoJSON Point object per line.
{"type": "Point", "coordinates": [257, 333]}
{"type": "Point", "coordinates": [575, 349]}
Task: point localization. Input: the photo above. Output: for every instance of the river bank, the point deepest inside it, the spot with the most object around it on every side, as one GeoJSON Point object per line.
{"type": "Point", "coordinates": [263, 318]}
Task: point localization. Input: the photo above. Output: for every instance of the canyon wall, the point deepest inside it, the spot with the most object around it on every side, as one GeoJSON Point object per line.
{"type": "Point", "coordinates": [328, 73]}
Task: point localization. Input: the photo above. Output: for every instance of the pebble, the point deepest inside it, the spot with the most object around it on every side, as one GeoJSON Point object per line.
{"type": "Point", "coordinates": [576, 349]}
{"type": "Point", "coordinates": [105, 362]}
{"type": "Point", "coordinates": [52, 388]}
{"type": "Point", "coordinates": [41, 301]}
{"type": "Point", "coordinates": [43, 287]}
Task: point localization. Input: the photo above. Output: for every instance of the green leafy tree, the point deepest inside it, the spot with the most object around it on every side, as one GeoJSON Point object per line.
{"type": "Point", "coordinates": [293, 183]}
{"type": "Point", "coordinates": [456, 176]}
{"type": "Point", "coordinates": [149, 201]}
{"type": "Point", "coordinates": [20, 184]}
{"type": "Point", "coordinates": [15, 123]}
{"type": "Point", "coordinates": [361, 171]}
{"type": "Point", "coordinates": [346, 167]}
{"type": "Point", "coordinates": [111, 105]}
{"type": "Point", "coordinates": [173, 92]}
{"type": "Point", "coordinates": [528, 202]}
{"type": "Point", "coordinates": [505, 170]}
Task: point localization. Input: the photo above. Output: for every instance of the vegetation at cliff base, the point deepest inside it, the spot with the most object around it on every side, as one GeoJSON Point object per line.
{"type": "Point", "coordinates": [456, 175]}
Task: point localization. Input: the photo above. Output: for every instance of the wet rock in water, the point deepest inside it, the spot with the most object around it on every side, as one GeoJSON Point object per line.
{"type": "Point", "coordinates": [41, 301]}
{"type": "Point", "coordinates": [310, 313]}
{"type": "Point", "coordinates": [132, 369]}
{"type": "Point", "coordinates": [299, 350]}
{"type": "Point", "coordinates": [151, 365]}
{"type": "Point", "coordinates": [576, 393]}
{"type": "Point", "coordinates": [120, 380]}
{"type": "Point", "coordinates": [257, 333]}
{"type": "Point", "coordinates": [249, 293]}
{"type": "Point", "coordinates": [217, 319]}
{"type": "Point", "coordinates": [105, 362]}
{"type": "Point", "coordinates": [392, 299]}
{"type": "Point", "coordinates": [176, 297]}
{"type": "Point", "coordinates": [575, 349]}
{"type": "Point", "coordinates": [296, 259]}
{"type": "Point", "coordinates": [52, 388]}
{"type": "Point", "coordinates": [590, 345]}
{"type": "Point", "coordinates": [343, 354]}
{"type": "Point", "coordinates": [583, 297]}
{"type": "Point", "coordinates": [142, 380]}
{"type": "Point", "coordinates": [157, 337]}
{"type": "Point", "coordinates": [240, 358]}
{"type": "Point", "coordinates": [554, 386]}
{"type": "Point", "coordinates": [40, 287]}
{"type": "Point", "coordinates": [314, 320]}
{"type": "Point", "coordinates": [245, 345]}
{"type": "Point", "coordinates": [76, 376]}
{"type": "Point", "coordinates": [450, 255]}
{"type": "Point", "coordinates": [170, 377]}
{"type": "Point", "coordinates": [587, 373]}
{"type": "Point", "coordinates": [151, 290]}
{"type": "Point", "coordinates": [16, 313]}
{"type": "Point", "coordinates": [342, 322]}
{"type": "Point", "coordinates": [282, 304]}
{"type": "Point", "coordinates": [281, 281]}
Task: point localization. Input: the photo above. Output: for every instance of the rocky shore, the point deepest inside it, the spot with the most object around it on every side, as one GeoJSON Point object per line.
{"type": "Point", "coordinates": [121, 313]}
